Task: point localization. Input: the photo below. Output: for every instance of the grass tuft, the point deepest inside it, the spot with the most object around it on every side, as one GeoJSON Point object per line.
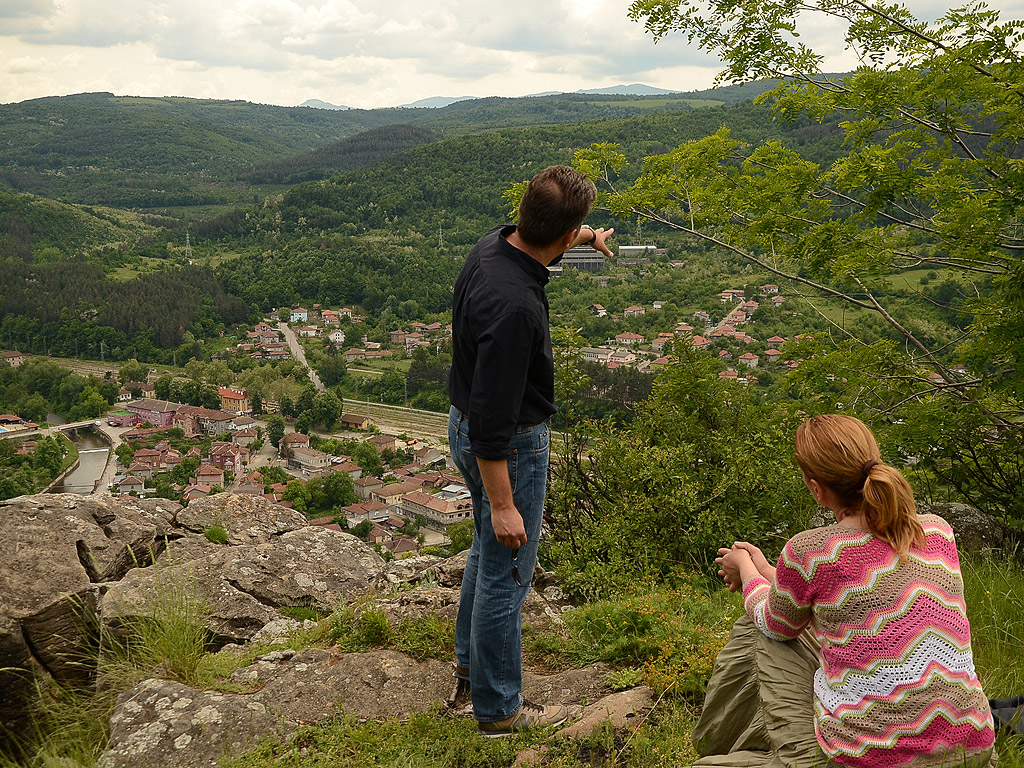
{"type": "Point", "coordinates": [667, 636]}
{"type": "Point", "coordinates": [216, 534]}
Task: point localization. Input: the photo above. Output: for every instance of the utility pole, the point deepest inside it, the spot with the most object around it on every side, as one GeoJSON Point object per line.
{"type": "Point", "coordinates": [188, 248]}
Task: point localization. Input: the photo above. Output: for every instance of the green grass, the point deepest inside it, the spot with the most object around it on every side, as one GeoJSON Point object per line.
{"type": "Point", "coordinates": [216, 534]}
{"type": "Point", "coordinates": [995, 606]}
{"type": "Point", "coordinates": [666, 636]}
{"type": "Point", "coordinates": [72, 450]}
{"type": "Point", "coordinates": [360, 628]}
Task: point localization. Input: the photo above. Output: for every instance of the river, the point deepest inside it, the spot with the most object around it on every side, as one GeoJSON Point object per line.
{"type": "Point", "coordinates": [93, 451]}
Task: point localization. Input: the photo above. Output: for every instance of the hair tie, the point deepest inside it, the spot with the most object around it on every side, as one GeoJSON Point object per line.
{"type": "Point", "coordinates": [866, 470]}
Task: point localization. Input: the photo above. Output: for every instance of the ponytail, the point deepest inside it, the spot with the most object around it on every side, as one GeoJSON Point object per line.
{"type": "Point", "coordinates": [889, 509]}
{"type": "Point", "coordinates": [840, 452]}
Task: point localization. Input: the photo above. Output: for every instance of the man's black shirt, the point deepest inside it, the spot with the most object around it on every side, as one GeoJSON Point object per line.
{"type": "Point", "coordinates": [502, 370]}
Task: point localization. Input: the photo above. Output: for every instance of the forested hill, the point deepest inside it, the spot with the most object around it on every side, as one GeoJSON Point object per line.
{"type": "Point", "coordinates": [150, 153]}
{"type": "Point", "coordinates": [456, 185]}
{"type": "Point", "coordinates": [359, 151]}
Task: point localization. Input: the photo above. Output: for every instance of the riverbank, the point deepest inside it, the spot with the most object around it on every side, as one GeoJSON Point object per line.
{"type": "Point", "coordinates": [70, 464]}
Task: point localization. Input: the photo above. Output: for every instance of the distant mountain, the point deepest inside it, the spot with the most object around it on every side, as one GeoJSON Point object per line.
{"type": "Point", "coordinates": [436, 102]}
{"type": "Point", "coordinates": [166, 153]}
{"type": "Point", "coordinates": [317, 104]}
{"type": "Point", "coordinates": [636, 89]}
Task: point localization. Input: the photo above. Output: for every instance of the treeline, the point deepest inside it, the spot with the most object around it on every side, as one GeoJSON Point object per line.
{"type": "Point", "coordinates": [136, 152]}
{"type": "Point", "coordinates": [34, 227]}
{"type": "Point", "coordinates": [71, 308]}
{"type": "Point", "coordinates": [37, 388]}
{"type": "Point", "coordinates": [360, 151]}
{"type": "Point", "coordinates": [379, 275]}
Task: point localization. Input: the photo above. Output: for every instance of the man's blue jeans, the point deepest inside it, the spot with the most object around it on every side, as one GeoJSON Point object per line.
{"type": "Point", "coordinates": [488, 631]}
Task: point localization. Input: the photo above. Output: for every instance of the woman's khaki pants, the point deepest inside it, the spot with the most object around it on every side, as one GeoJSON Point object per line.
{"type": "Point", "coordinates": [759, 708]}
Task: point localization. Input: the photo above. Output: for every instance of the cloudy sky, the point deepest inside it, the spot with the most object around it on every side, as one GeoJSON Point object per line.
{"type": "Point", "coordinates": [361, 53]}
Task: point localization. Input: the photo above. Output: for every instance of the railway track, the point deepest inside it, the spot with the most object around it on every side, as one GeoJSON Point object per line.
{"type": "Point", "coordinates": [397, 418]}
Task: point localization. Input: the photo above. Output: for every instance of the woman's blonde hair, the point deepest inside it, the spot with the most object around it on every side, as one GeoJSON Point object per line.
{"type": "Point", "coordinates": [841, 453]}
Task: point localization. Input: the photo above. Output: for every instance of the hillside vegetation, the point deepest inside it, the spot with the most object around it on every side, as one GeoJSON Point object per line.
{"type": "Point", "coordinates": [180, 153]}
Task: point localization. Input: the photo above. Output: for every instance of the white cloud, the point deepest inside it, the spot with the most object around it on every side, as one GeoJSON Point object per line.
{"type": "Point", "coordinates": [358, 52]}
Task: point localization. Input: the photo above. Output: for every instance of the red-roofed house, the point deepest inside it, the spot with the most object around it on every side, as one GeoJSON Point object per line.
{"type": "Point", "coordinates": [234, 400]}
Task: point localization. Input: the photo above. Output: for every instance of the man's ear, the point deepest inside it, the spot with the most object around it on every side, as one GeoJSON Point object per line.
{"type": "Point", "coordinates": [568, 237]}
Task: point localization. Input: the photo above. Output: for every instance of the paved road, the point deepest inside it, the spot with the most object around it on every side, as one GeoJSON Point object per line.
{"type": "Point", "coordinates": [299, 354]}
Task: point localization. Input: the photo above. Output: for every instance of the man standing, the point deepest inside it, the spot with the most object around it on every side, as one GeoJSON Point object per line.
{"type": "Point", "coordinates": [502, 391]}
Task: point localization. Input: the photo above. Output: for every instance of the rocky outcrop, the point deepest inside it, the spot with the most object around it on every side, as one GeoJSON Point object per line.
{"type": "Point", "coordinates": [163, 724]}
{"type": "Point", "coordinates": [166, 725]}
{"type": "Point", "coordinates": [77, 572]}
{"type": "Point", "coordinates": [57, 553]}
{"type": "Point", "coordinates": [246, 519]}
{"type": "Point", "coordinates": [73, 567]}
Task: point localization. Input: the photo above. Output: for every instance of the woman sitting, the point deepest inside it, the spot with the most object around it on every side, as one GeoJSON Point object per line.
{"type": "Point", "coordinates": [887, 678]}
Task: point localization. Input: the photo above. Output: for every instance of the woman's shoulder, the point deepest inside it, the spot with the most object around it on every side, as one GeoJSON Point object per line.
{"type": "Point", "coordinates": [825, 541]}
{"type": "Point", "coordinates": [935, 524]}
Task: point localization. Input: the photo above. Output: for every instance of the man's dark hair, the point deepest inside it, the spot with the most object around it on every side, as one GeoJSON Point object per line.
{"type": "Point", "coordinates": [558, 199]}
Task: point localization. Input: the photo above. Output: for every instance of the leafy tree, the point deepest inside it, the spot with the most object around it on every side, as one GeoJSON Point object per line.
{"type": "Point", "coordinates": [109, 391]}
{"type": "Point", "coordinates": [305, 400]}
{"type": "Point", "coordinates": [48, 455]}
{"type": "Point", "coordinates": [219, 374]}
{"type": "Point", "coordinates": [273, 475]}
{"type": "Point", "coordinates": [298, 495]}
{"type": "Point", "coordinates": [698, 466]}
{"type": "Point", "coordinates": [332, 369]}
{"type": "Point", "coordinates": [92, 404]}
{"type": "Point", "coordinates": [304, 422]}
{"type": "Point", "coordinates": [928, 180]}
{"type": "Point", "coordinates": [256, 399]}
{"type": "Point", "coordinates": [326, 409]}
{"type": "Point", "coordinates": [32, 407]}
{"type": "Point", "coordinates": [460, 536]}
{"type": "Point", "coordinates": [275, 429]}
{"type": "Point", "coordinates": [162, 387]}
{"type": "Point", "coordinates": [367, 456]}
{"type": "Point", "coordinates": [362, 529]}
{"type": "Point", "coordinates": [133, 370]}
{"type": "Point", "coordinates": [209, 397]}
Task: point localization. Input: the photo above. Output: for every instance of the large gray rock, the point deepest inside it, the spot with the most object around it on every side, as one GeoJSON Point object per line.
{"type": "Point", "coordinates": [408, 570]}
{"type": "Point", "coordinates": [193, 588]}
{"type": "Point", "coordinates": [56, 551]}
{"type": "Point", "coordinates": [247, 519]}
{"type": "Point", "coordinates": [975, 531]}
{"type": "Point", "coordinates": [241, 588]}
{"type": "Point", "coordinates": [312, 684]}
{"type": "Point", "coordinates": [312, 567]}
{"type": "Point", "coordinates": [163, 724]}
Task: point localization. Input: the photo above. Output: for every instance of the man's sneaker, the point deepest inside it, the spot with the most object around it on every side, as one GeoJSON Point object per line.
{"type": "Point", "coordinates": [528, 716]}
